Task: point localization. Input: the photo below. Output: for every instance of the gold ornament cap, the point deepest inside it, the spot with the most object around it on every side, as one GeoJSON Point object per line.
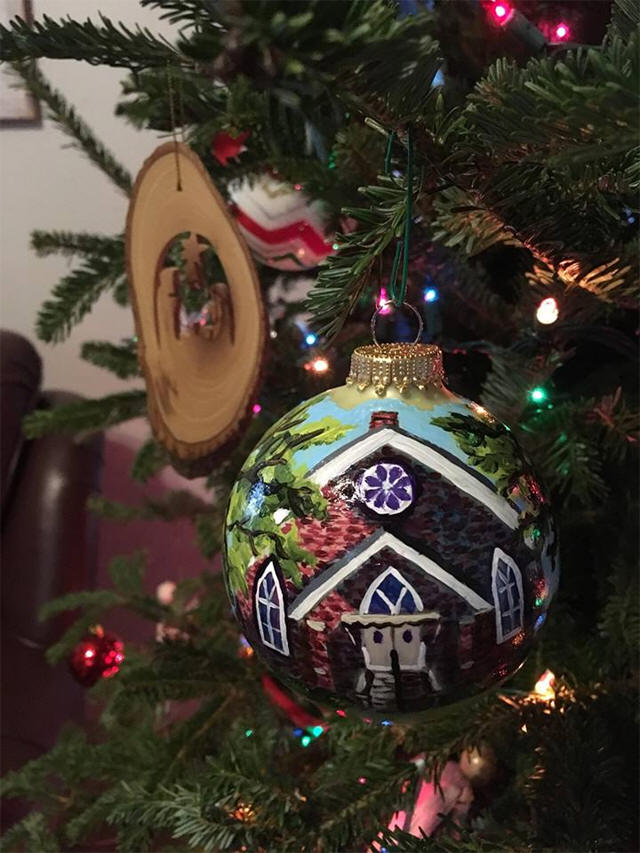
{"type": "Point", "coordinates": [401, 366]}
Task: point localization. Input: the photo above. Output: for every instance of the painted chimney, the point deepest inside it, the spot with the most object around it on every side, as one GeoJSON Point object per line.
{"type": "Point", "coordinates": [383, 419]}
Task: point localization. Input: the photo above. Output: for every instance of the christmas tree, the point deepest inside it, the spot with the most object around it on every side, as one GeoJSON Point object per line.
{"type": "Point", "coordinates": [484, 169]}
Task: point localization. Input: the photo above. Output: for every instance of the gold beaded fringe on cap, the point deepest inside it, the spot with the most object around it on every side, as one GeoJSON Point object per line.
{"type": "Point", "coordinates": [402, 366]}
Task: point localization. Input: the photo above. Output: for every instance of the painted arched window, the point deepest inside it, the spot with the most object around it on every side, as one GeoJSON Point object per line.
{"type": "Point", "coordinates": [391, 593]}
{"type": "Point", "coordinates": [506, 581]}
{"type": "Point", "coordinates": [270, 613]}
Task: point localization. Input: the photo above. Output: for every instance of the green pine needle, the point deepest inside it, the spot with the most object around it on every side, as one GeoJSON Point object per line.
{"type": "Point", "coordinates": [86, 415]}
{"type": "Point", "coordinates": [119, 359]}
{"type": "Point", "coordinates": [67, 119]}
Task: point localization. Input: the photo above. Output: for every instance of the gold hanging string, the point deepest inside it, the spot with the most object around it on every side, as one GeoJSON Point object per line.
{"type": "Point", "coordinates": [181, 103]}
{"type": "Point", "coordinates": [172, 116]}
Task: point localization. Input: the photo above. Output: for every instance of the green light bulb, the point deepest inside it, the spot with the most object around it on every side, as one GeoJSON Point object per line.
{"type": "Point", "coordinates": [305, 740]}
{"type": "Point", "coordinates": [538, 394]}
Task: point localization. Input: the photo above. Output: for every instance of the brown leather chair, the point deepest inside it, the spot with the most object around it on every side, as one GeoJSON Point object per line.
{"type": "Point", "coordinates": [49, 545]}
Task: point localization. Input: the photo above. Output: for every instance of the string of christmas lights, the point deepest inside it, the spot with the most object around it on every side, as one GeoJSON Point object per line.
{"type": "Point", "coordinates": [506, 16]}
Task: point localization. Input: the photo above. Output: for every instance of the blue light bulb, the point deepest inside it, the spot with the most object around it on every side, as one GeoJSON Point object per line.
{"type": "Point", "coordinates": [430, 294]}
{"type": "Point", "coordinates": [438, 79]}
{"type": "Point", "coordinates": [310, 339]}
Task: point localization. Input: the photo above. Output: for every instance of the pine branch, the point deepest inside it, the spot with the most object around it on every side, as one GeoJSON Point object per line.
{"type": "Point", "coordinates": [35, 776]}
{"type": "Point", "coordinates": [74, 296]}
{"type": "Point", "coordinates": [65, 116]}
{"type": "Point", "coordinates": [345, 274]}
{"type": "Point", "coordinates": [579, 444]}
{"type": "Point", "coordinates": [570, 463]}
{"type": "Point", "coordinates": [208, 528]}
{"type": "Point", "coordinates": [127, 573]}
{"type": "Point", "coordinates": [379, 66]}
{"type": "Point", "coordinates": [460, 224]}
{"type": "Point", "coordinates": [121, 360]}
{"type": "Point", "coordinates": [92, 817]}
{"type": "Point", "coordinates": [70, 244]}
{"type": "Point", "coordinates": [625, 19]}
{"type": "Point", "coordinates": [86, 415]}
{"type": "Point", "coordinates": [94, 603]}
{"type": "Point", "coordinates": [609, 282]}
{"type": "Point", "coordinates": [551, 145]}
{"type": "Point", "coordinates": [146, 103]}
{"type": "Point", "coordinates": [513, 374]}
{"type": "Point", "coordinates": [453, 839]}
{"type": "Point", "coordinates": [99, 44]}
{"type": "Point", "coordinates": [31, 833]}
{"type": "Point", "coordinates": [95, 599]}
{"type": "Point", "coordinates": [198, 13]}
{"type": "Point", "coordinates": [619, 623]}
{"type": "Point", "coordinates": [615, 424]}
{"type": "Point", "coordinates": [171, 506]}
{"type": "Point", "coordinates": [150, 458]}
{"type": "Point", "coordinates": [122, 293]}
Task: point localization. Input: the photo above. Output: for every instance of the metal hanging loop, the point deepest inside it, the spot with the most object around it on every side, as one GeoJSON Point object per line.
{"type": "Point", "coordinates": [378, 311]}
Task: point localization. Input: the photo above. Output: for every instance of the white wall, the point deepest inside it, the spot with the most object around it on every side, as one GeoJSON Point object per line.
{"type": "Point", "coordinates": [44, 184]}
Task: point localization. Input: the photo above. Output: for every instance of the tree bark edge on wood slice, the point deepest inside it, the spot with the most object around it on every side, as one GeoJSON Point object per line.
{"type": "Point", "coordinates": [200, 391]}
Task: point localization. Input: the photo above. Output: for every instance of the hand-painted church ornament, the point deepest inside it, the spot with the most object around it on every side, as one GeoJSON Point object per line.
{"type": "Point", "coordinates": [386, 543]}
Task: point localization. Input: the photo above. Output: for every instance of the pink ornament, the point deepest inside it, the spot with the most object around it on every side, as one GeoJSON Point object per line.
{"type": "Point", "coordinates": [165, 592]}
{"type": "Point", "coordinates": [452, 796]}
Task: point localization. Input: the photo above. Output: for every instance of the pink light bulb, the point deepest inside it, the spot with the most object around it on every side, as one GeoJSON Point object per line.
{"type": "Point", "coordinates": [382, 303]}
{"type": "Point", "coordinates": [502, 12]}
{"type": "Point", "coordinates": [562, 32]}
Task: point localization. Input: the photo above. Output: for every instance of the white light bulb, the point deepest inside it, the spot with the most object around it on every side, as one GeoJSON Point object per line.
{"type": "Point", "coordinates": [547, 311]}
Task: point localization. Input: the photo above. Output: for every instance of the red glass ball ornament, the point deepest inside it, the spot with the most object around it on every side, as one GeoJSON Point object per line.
{"type": "Point", "coordinates": [98, 655]}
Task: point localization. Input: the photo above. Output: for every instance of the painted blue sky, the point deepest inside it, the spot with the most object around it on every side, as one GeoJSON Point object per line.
{"type": "Point", "coordinates": [410, 418]}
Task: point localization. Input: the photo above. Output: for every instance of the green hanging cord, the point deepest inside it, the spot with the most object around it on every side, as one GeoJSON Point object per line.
{"type": "Point", "coordinates": [408, 214]}
{"type": "Point", "coordinates": [398, 293]}
{"type": "Point", "coordinates": [394, 273]}
{"type": "Point", "coordinates": [387, 156]}
{"type": "Point", "coordinates": [398, 254]}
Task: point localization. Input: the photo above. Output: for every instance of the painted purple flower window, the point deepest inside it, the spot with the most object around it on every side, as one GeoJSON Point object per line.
{"type": "Point", "coordinates": [386, 488]}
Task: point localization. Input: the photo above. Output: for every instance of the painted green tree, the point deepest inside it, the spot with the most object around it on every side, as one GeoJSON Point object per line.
{"type": "Point", "coordinates": [269, 481]}
{"type": "Point", "coordinates": [492, 448]}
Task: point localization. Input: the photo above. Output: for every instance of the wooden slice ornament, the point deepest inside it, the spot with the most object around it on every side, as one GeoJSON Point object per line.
{"type": "Point", "coordinates": [202, 368]}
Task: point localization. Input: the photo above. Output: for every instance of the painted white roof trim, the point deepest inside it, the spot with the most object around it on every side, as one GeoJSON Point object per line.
{"type": "Point", "coordinates": [423, 453]}
{"type": "Point", "coordinates": [387, 540]}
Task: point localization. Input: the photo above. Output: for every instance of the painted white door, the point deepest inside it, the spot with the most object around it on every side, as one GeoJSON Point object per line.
{"type": "Point", "coordinates": [391, 595]}
{"type": "Point", "coordinates": [380, 644]}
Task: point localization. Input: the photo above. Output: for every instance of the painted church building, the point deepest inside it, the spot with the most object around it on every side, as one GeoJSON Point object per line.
{"type": "Point", "coordinates": [423, 583]}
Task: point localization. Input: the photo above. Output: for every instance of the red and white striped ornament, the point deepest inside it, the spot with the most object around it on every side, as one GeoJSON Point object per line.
{"type": "Point", "coordinates": [283, 227]}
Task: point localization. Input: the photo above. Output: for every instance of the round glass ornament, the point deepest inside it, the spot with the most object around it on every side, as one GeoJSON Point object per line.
{"type": "Point", "coordinates": [386, 542]}
{"type": "Point", "coordinates": [283, 227]}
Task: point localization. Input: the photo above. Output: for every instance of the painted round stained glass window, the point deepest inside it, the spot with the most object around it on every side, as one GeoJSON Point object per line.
{"type": "Point", "coordinates": [386, 488]}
